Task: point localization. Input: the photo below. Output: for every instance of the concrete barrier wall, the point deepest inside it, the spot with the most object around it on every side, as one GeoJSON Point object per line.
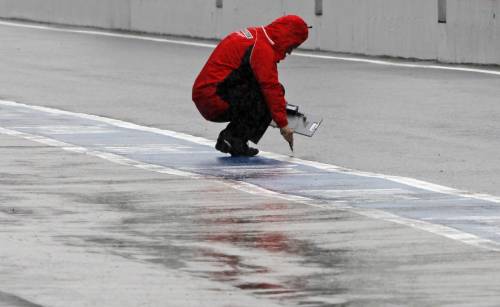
{"type": "Point", "coordinates": [196, 18]}
{"type": "Point", "coordinates": [472, 32]}
{"type": "Point", "coordinates": [97, 13]}
{"type": "Point", "coordinates": [400, 28]}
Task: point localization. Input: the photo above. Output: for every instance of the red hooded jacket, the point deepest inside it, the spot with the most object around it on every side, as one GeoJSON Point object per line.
{"type": "Point", "coordinates": [270, 44]}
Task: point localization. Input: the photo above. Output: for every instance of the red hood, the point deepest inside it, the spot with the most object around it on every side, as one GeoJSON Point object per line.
{"type": "Point", "coordinates": [287, 31]}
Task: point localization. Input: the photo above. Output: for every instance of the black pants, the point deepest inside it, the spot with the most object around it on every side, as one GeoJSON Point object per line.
{"type": "Point", "coordinates": [248, 118]}
{"type": "Point", "coordinates": [248, 114]}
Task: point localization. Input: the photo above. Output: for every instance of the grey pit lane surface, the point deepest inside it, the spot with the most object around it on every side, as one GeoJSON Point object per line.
{"type": "Point", "coordinates": [438, 126]}
{"type": "Point", "coordinates": [80, 231]}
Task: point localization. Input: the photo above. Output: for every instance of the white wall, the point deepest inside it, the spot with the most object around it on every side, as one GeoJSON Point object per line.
{"type": "Point", "coordinates": [400, 28]}
{"type": "Point", "coordinates": [97, 13]}
{"type": "Point", "coordinates": [403, 28]}
{"type": "Point", "coordinates": [472, 32]}
{"type": "Point", "coordinates": [195, 18]}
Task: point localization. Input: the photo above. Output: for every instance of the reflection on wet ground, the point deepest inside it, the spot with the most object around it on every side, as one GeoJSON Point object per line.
{"type": "Point", "coordinates": [248, 247]}
{"type": "Point", "coordinates": [214, 240]}
{"type": "Point", "coordinates": [297, 283]}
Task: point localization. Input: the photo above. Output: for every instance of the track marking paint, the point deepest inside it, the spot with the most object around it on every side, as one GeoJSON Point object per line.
{"type": "Point", "coordinates": [440, 230]}
{"type": "Point", "coordinates": [212, 45]}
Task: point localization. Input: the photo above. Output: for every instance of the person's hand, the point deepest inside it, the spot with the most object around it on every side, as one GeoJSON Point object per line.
{"type": "Point", "coordinates": [287, 134]}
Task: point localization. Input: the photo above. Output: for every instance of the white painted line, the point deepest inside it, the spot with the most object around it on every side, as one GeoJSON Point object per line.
{"type": "Point", "coordinates": [398, 64]}
{"type": "Point", "coordinates": [106, 33]}
{"type": "Point", "coordinates": [489, 218]}
{"type": "Point", "coordinates": [326, 167]}
{"type": "Point", "coordinates": [440, 230]}
{"type": "Point", "coordinates": [366, 195]}
{"type": "Point", "coordinates": [103, 155]}
{"type": "Point", "coordinates": [358, 192]}
{"type": "Point", "coordinates": [211, 45]}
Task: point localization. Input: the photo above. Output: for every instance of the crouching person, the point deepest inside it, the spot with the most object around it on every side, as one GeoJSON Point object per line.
{"type": "Point", "coordinates": [239, 83]}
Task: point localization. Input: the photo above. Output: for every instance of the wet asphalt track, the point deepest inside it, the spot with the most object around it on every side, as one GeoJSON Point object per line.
{"type": "Point", "coordinates": [80, 230]}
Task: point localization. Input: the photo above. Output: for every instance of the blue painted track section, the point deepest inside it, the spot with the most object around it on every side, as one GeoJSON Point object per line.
{"type": "Point", "coordinates": [474, 216]}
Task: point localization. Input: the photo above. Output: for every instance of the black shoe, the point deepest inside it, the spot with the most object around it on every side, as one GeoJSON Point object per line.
{"type": "Point", "coordinates": [241, 149]}
{"type": "Point", "coordinates": [234, 146]}
{"type": "Point", "coordinates": [224, 142]}
{"type": "Point", "coordinates": [250, 152]}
